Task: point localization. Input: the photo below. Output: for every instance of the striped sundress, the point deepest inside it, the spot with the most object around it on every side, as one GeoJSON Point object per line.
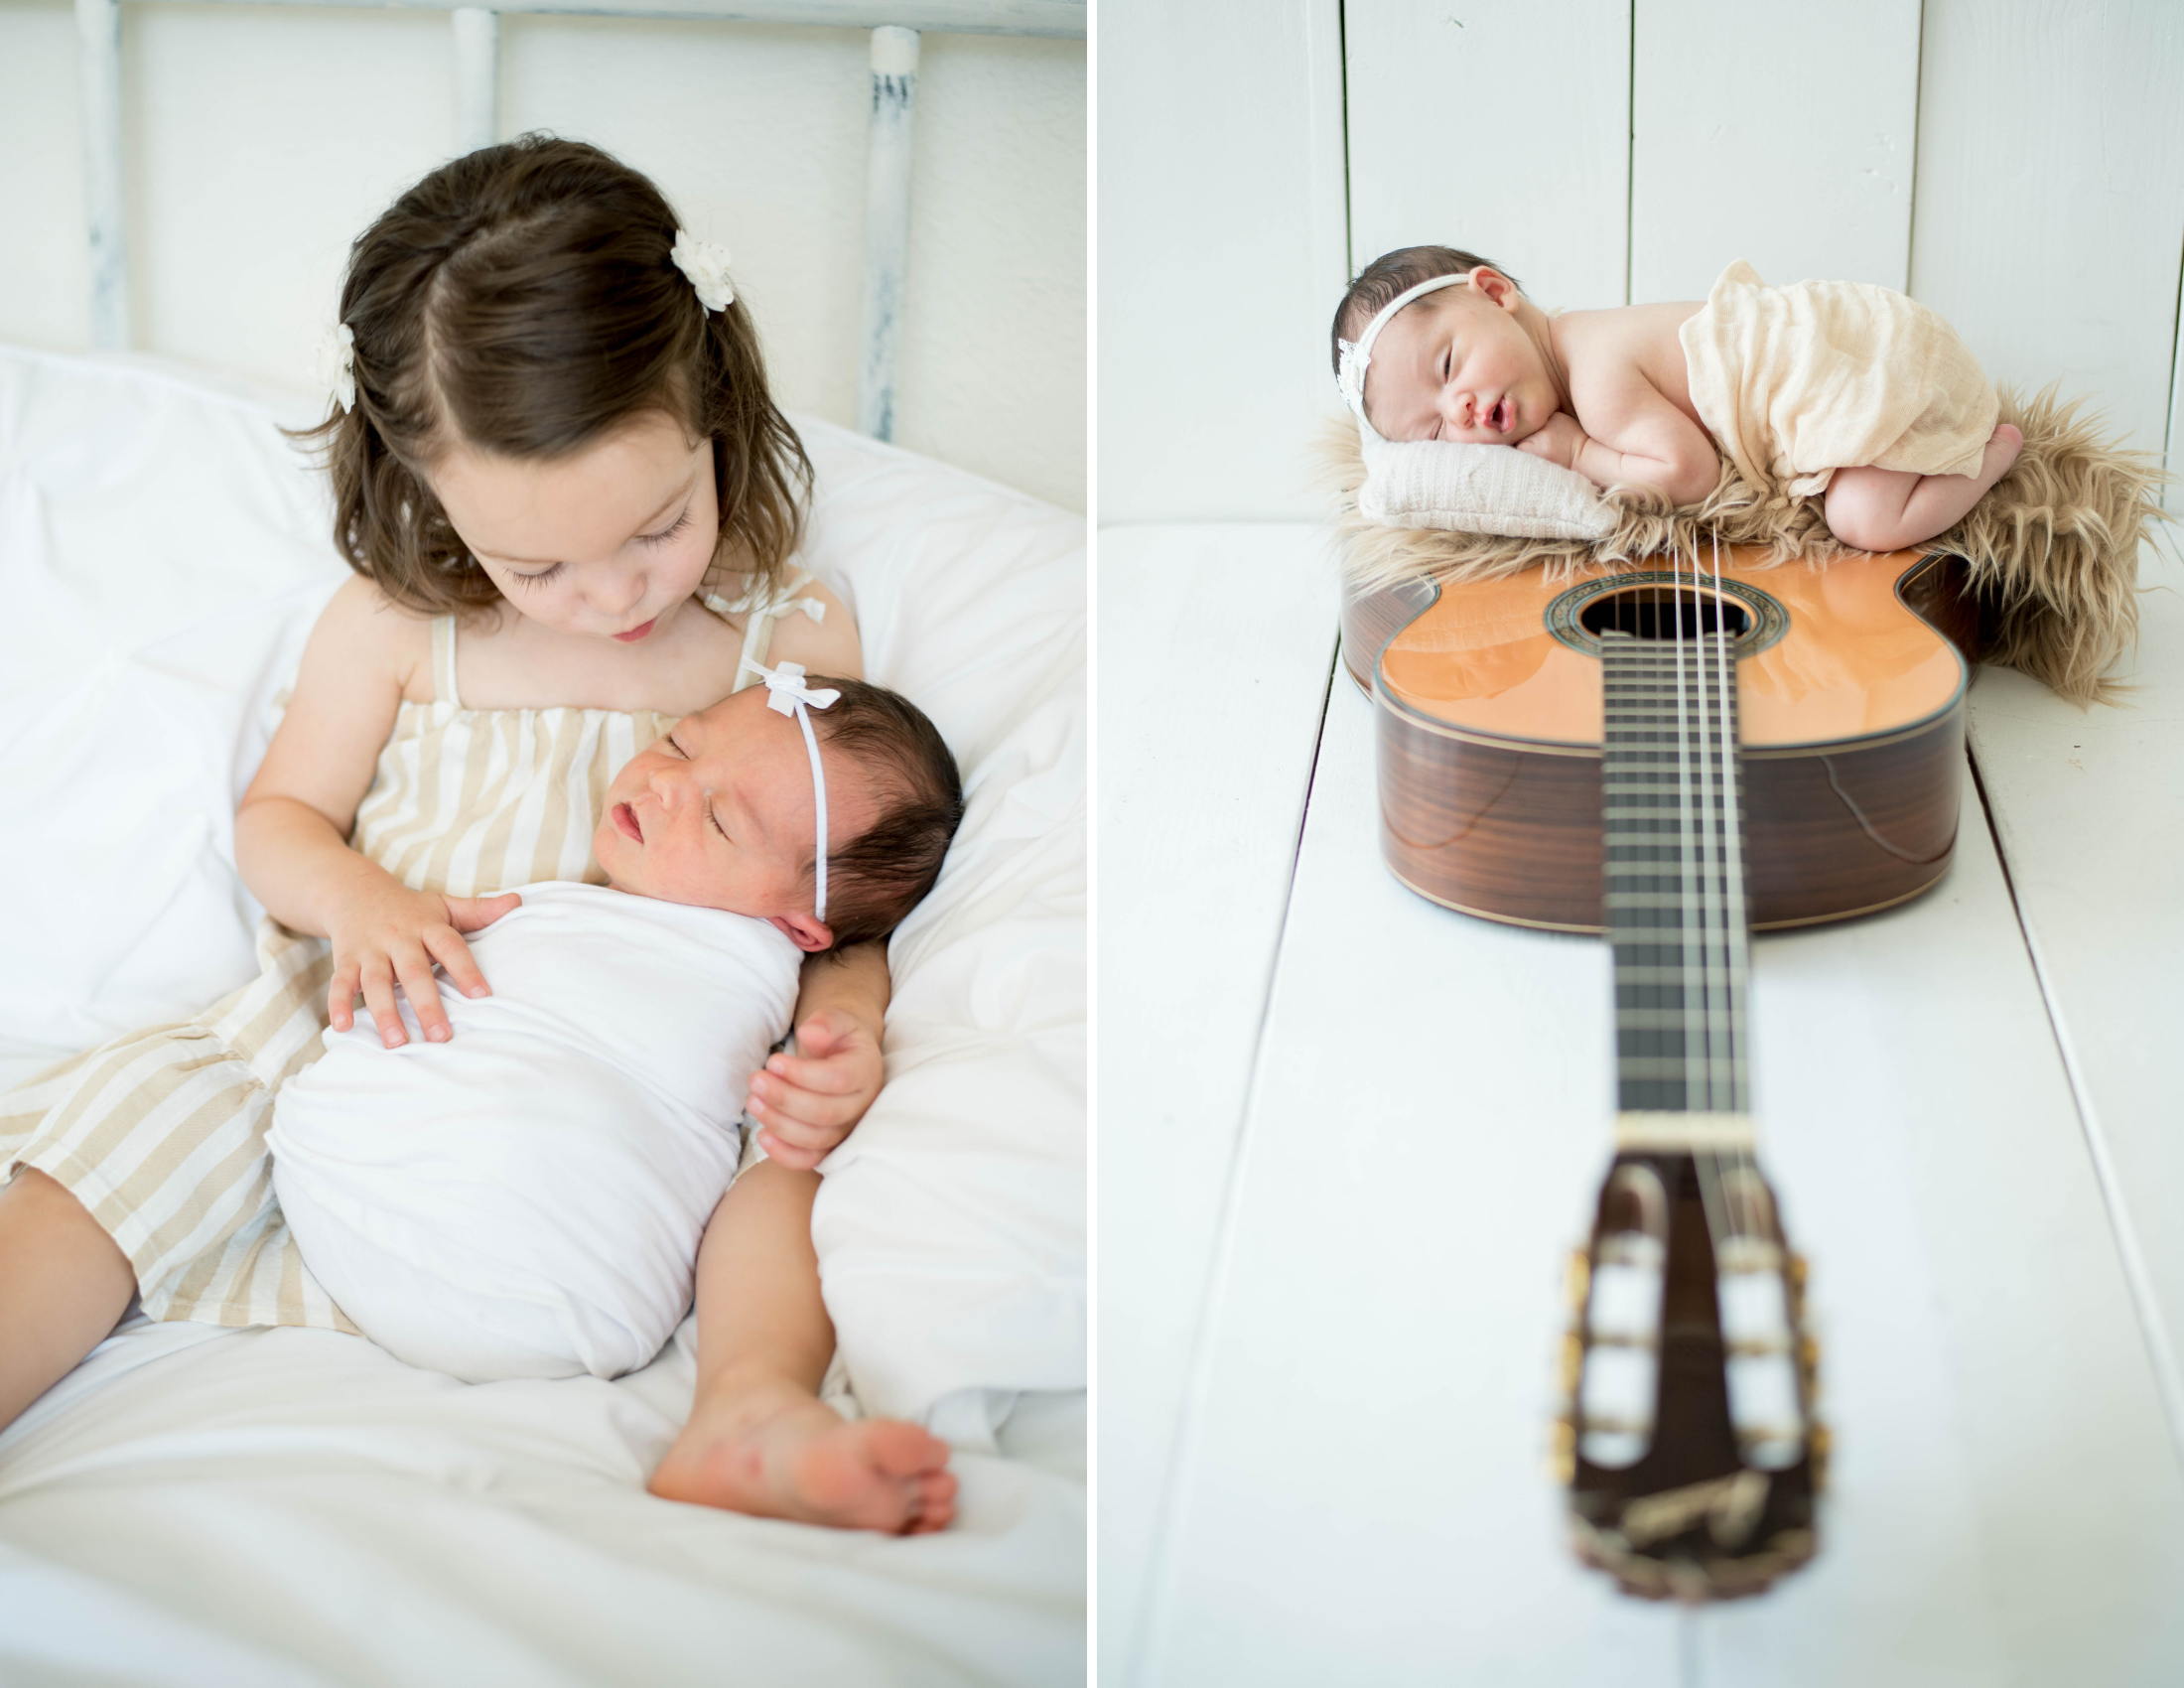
{"type": "Point", "coordinates": [161, 1133]}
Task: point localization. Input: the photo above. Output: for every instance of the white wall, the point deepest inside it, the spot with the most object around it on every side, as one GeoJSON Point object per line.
{"type": "Point", "coordinates": [1221, 252]}
{"type": "Point", "coordinates": [2017, 165]}
{"type": "Point", "coordinates": [262, 139]}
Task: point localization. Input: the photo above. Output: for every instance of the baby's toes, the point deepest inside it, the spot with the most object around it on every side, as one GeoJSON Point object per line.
{"type": "Point", "coordinates": [903, 1450]}
{"type": "Point", "coordinates": [929, 1503]}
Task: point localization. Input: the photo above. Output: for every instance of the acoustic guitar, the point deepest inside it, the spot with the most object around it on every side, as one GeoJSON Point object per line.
{"type": "Point", "coordinates": [1675, 755]}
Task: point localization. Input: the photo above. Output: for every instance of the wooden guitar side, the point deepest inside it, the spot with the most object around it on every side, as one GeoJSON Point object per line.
{"type": "Point", "coordinates": [1503, 820]}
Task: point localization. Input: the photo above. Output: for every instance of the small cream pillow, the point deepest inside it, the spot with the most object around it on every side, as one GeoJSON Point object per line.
{"type": "Point", "coordinates": [1480, 490]}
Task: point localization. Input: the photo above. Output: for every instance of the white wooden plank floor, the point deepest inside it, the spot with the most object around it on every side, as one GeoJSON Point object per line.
{"type": "Point", "coordinates": [1358, 1493]}
{"type": "Point", "coordinates": [1217, 646]}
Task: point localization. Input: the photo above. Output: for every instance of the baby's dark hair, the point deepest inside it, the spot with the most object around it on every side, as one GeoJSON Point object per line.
{"type": "Point", "coordinates": [1394, 273]}
{"type": "Point", "coordinates": [520, 299]}
{"type": "Point", "coordinates": [874, 880]}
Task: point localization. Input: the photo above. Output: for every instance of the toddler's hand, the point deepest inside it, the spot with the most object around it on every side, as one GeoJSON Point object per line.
{"type": "Point", "coordinates": [390, 934]}
{"type": "Point", "coordinates": [807, 1104]}
{"type": "Point", "coordinates": [1559, 442]}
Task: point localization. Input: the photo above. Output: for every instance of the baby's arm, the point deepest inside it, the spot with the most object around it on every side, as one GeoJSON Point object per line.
{"type": "Point", "coordinates": [293, 824]}
{"type": "Point", "coordinates": [1625, 372]}
{"type": "Point", "coordinates": [806, 1103]}
{"type": "Point", "coordinates": [1639, 439]}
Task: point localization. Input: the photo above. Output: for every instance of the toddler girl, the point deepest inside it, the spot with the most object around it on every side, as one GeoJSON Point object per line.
{"type": "Point", "coordinates": [1824, 387]}
{"type": "Point", "coordinates": [553, 436]}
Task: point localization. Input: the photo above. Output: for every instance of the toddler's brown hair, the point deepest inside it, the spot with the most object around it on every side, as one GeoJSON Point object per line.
{"type": "Point", "coordinates": [521, 301]}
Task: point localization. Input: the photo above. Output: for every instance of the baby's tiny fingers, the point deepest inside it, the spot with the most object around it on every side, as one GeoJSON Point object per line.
{"type": "Point", "coordinates": [799, 1160]}
{"type": "Point", "coordinates": [831, 1075]}
{"type": "Point", "coordinates": [773, 1100]}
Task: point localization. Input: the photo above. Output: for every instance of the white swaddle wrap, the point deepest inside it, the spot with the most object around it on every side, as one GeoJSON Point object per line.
{"type": "Point", "coordinates": [526, 1198]}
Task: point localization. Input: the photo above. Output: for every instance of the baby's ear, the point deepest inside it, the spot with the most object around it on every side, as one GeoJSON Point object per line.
{"type": "Point", "coordinates": [808, 934]}
{"type": "Point", "coordinates": [1491, 285]}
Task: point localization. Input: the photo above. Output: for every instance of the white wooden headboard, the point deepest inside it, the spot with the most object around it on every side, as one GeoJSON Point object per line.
{"type": "Point", "coordinates": [896, 30]}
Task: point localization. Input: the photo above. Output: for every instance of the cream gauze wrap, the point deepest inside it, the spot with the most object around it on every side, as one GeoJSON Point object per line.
{"type": "Point", "coordinates": [1796, 382]}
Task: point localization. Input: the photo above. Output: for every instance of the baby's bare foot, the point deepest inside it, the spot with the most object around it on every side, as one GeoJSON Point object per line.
{"type": "Point", "coordinates": [780, 1452]}
{"type": "Point", "coordinates": [2002, 447]}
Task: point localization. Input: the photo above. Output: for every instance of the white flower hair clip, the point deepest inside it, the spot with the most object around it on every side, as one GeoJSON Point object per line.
{"type": "Point", "coordinates": [337, 365]}
{"type": "Point", "coordinates": [707, 267]}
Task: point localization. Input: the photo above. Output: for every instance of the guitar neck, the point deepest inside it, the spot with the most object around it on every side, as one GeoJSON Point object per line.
{"type": "Point", "coordinates": [1673, 832]}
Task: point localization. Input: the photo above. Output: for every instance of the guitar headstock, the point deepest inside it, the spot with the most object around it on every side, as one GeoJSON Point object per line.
{"type": "Point", "coordinates": [1687, 1439]}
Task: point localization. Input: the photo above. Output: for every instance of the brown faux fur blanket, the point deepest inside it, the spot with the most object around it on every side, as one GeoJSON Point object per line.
{"type": "Point", "coordinates": [2053, 547]}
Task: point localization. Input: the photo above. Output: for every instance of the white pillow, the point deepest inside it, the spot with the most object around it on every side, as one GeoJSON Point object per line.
{"type": "Point", "coordinates": [951, 1225]}
{"type": "Point", "coordinates": [164, 552]}
{"type": "Point", "coordinates": [1471, 488]}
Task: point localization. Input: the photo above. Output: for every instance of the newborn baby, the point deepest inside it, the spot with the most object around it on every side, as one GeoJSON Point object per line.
{"type": "Point", "coordinates": [1832, 387]}
{"type": "Point", "coordinates": [526, 1198]}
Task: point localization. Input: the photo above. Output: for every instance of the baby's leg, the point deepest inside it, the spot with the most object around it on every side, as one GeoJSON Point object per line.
{"type": "Point", "coordinates": [64, 1285]}
{"type": "Point", "coordinates": [1891, 509]}
{"type": "Point", "coordinates": [759, 1440]}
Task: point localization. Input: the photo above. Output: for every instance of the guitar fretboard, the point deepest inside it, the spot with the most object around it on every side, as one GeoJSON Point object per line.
{"type": "Point", "coordinates": [1673, 832]}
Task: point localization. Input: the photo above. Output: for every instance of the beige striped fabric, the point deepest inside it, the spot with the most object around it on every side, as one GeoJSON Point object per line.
{"type": "Point", "coordinates": [161, 1133]}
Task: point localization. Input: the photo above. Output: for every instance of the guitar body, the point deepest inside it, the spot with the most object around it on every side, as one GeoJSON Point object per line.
{"type": "Point", "coordinates": [1851, 682]}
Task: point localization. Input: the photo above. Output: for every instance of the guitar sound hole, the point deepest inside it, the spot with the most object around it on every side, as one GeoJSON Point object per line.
{"type": "Point", "coordinates": [1660, 613]}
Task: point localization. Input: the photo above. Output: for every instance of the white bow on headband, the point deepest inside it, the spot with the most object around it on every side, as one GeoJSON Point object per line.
{"type": "Point", "coordinates": [788, 695]}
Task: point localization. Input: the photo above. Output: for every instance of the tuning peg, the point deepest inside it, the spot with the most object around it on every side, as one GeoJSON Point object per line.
{"type": "Point", "coordinates": [1562, 1450]}
{"type": "Point", "coordinates": [1573, 1365]}
{"type": "Point", "coordinates": [1577, 1281]}
{"type": "Point", "coordinates": [1796, 1270]}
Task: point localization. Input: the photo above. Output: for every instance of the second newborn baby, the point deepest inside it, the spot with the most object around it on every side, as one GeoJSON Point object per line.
{"type": "Point", "coordinates": [526, 1198]}
{"type": "Point", "coordinates": [1839, 389]}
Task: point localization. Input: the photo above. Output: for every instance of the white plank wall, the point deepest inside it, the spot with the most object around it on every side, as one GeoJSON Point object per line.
{"type": "Point", "coordinates": [2050, 220]}
{"type": "Point", "coordinates": [1780, 134]}
{"type": "Point", "coordinates": [1221, 253]}
{"type": "Point", "coordinates": [1456, 140]}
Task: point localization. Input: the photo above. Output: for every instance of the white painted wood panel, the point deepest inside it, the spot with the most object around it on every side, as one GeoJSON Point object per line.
{"type": "Point", "coordinates": [1221, 253]}
{"type": "Point", "coordinates": [2089, 805]}
{"type": "Point", "coordinates": [2050, 214]}
{"type": "Point", "coordinates": [1781, 134]}
{"type": "Point", "coordinates": [1216, 646]}
{"type": "Point", "coordinates": [1363, 1500]}
{"type": "Point", "coordinates": [1500, 126]}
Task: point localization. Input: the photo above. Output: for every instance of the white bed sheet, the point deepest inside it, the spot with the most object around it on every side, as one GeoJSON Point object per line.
{"type": "Point", "coordinates": [235, 1507]}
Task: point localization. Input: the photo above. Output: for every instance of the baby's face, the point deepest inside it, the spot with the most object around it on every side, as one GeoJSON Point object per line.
{"type": "Point", "coordinates": [1457, 365]}
{"type": "Point", "coordinates": [719, 814]}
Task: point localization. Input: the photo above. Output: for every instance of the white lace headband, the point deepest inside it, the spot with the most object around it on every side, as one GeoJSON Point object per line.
{"type": "Point", "coordinates": [1355, 357]}
{"type": "Point", "coordinates": [788, 695]}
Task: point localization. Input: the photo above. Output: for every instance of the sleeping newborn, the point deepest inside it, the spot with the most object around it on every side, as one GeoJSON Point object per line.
{"type": "Point", "coordinates": [525, 1200]}
{"type": "Point", "coordinates": [1839, 389]}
